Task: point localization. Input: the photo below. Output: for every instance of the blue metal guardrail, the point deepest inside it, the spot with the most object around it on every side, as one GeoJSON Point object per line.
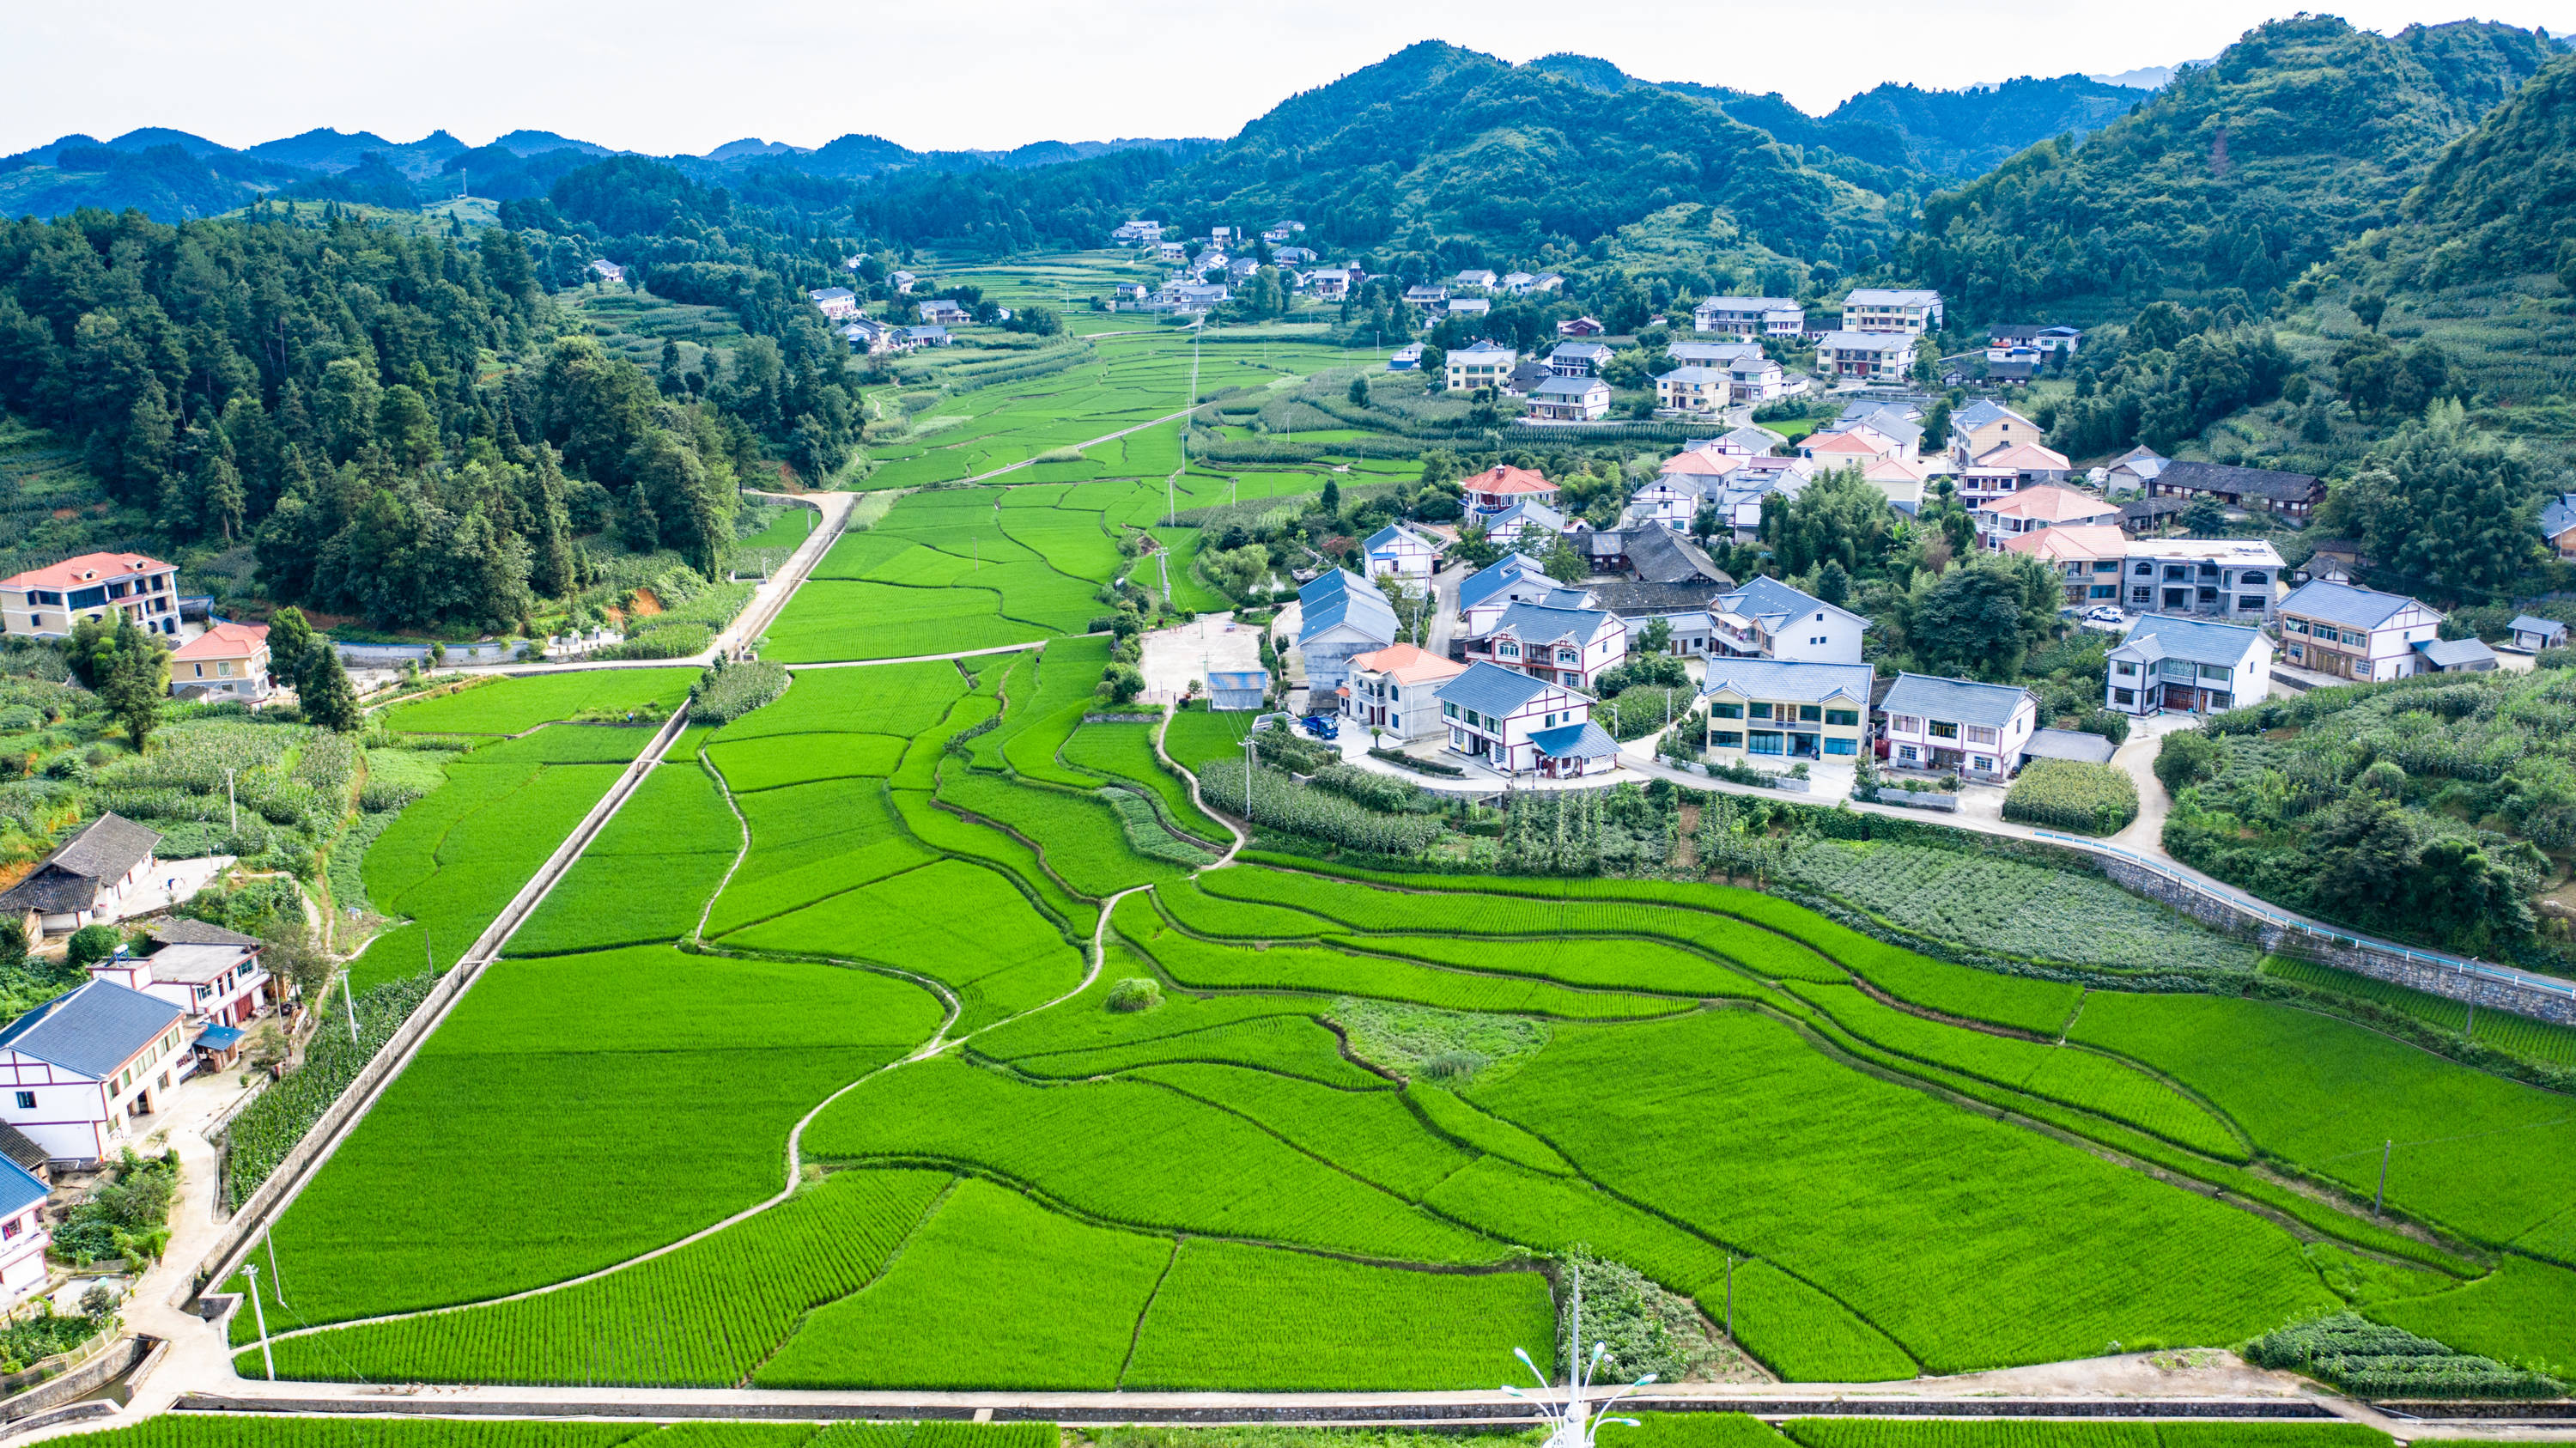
{"type": "Point", "coordinates": [2546, 984]}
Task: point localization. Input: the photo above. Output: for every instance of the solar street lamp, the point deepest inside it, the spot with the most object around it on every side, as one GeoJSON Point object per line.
{"type": "Point", "coordinates": [1574, 1422]}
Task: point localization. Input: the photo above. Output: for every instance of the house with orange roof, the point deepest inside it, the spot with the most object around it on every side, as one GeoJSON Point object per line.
{"type": "Point", "coordinates": [1502, 486]}
{"type": "Point", "coordinates": [2032, 464]}
{"type": "Point", "coordinates": [1857, 447]}
{"type": "Point", "coordinates": [2030, 510]}
{"type": "Point", "coordinates": [2088, 556]}
{"type": "Point", "coordinates": [45, 602]}
{"type": "Point", "coordinates": [1396, 689]}
{"type": "Point", "coordinates": [228, 663]}
{"type": "Point", "coordinates": [1901, 480]}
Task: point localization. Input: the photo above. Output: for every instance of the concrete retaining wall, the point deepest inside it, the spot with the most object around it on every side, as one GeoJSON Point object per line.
{"type": "Point", "coordinates": [101, 1367]}
{"type": "Point", "coordinates": [2416, 974]}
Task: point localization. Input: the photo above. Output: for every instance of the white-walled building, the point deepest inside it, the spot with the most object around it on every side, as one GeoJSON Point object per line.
{"type": "Point", "coordinates": [1944, 724]}
{"type": "Point", "coordinates": [1517, 724]}
{"type": "Point", "coordinates": [1510, 579]}
{"type": "Point", "coordinates": [45, 602]}
{"type": "Point", "coordinates": [1769, 709]}
{"type": "Point", "coordinates": [2228, 578]}
{"type": "Point", "coordinates": [2186, 665]}
{"type": "Point", "coordinates": [1767, 619]}
{"type": "Point", "coordinates": [95, 875]}
{"type": "Point", "coordinates": [76, 1071]}
{"type": "Point", "coordinates": [1854, 356]}
{"type": "Point", "coordinates": [2356, 633]}
{"type": "Point", "coordinates": [1570, 646]}
{"type": "Point", "coordinates": [1483, 365]}
{"type": "Point", "coordinates": [213, 974]}
{"type": "Point", "coordinates": [1397, 689]}
{"type": "Point", "coordinates": [1883, 309]}
{"type": "Point", "coordinates": [1399, 551]}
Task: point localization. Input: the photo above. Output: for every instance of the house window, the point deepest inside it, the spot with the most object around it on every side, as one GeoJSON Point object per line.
{"type": "Point", "coordinates": [1449, 711]}
{"type": "Point", "coordinates": [2249, 603]}
{"type": "Point", "coordinates": [1761, 711]}
{"type": "Point", "coordinates": [1979, 734]}
{"type": "Point", "coordinates": [2125, 670]}
{"type": "Point", "coordinates": [1726, 739]}
{"type": "Point", "coordinates": [1905, 754]}
{"type": "Point", "coordinates": [26, 1100]}
{"type": "Point", "coordinates": [1905, 724]}
{"type": "Point", "coordinates": [2124, 696]}
{"type": "Point", "coordinates": [1769, 743]}
{"type": "Point", "coordinates": [1726, 711]}
{"type": "Point", "coordinates": [1843, 718]}
{"type": "Point", "coordinates": [12, 1227]}
{"type": "Point", "coordinates": [2294, 625]}
{"type": "Point", "coordinates": [1810, 713]}
{"type": "Point", "coordinates": [1943, 729]}
{"type": "Point", "coordinates": [1507, 650]}
{"type": "Point", "coordinates": [1842, 746]}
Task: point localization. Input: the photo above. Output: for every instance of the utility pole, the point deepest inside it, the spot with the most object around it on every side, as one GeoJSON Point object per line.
{"type": "Point", "coordinates": [274, 1276]}
{"type": "Point", "coordinates": [2380, 1197]}
{"type": "Point", "coordinates": [1730, 1297]}
{"type": "Point", "coordinates": [231, 808]}
{"type": "Point", "coordinates": [349, 996]}
{"type": "Point", "coordinates": [259, 1316]}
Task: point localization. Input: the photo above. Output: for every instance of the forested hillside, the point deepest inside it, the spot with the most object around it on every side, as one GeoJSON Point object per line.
{"type": "Point", "coordinates": [2296, 140]}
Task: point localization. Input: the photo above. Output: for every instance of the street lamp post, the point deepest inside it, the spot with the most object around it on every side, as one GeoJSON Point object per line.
{"type": "Point", "coordinates": [1573, 1423]}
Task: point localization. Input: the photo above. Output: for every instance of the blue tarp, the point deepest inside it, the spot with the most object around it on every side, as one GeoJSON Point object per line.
{"type": "Point", "coordinates": [219, 1038]}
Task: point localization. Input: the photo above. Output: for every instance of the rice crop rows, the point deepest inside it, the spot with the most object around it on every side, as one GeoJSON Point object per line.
{"type": "Point", "coordinates": [810, 842]}
{"type": "Point", "coordinates": [1370, 1133]}
{"type": "Point", "coordinates": [702, 1316]}
{"type": "Point", "coordinates": [647, 873]}
{"type": "Point", "coordinates": [898, 700]}
{"type": "Point", "coordinates": [785, 759]}
{"type": "Point", "coordinates": [1126, 751]}
{"type": "Point", "coordinates": [2523, 1312]}
{"type": "Point", "coordinates": [1182, 1165]}
{"type": "Point", "coordinates": [517, 705]}
{"type": "Point", "coordinates": [1080, 837]}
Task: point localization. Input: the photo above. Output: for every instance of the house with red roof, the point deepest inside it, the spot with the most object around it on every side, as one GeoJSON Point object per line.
{"type": "Point", "coordinates": [1396, 689]}
{"type": "Point", "coordinates": [2089, 556]}
{"type": "Point", "coordinates": [2031, 510]}
{"type": "Point", "coordinates": [2029, 463]}
{"type": "Point", "coordinates": [45, 602]}
{"type": "Point", "coordinates": [227, 663]}
{"type": "Point", "coordinates": [1500, 487]}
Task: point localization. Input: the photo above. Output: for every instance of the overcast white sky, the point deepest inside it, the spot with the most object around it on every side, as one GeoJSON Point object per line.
{"type": "Point", "coordinates": [666, 77]}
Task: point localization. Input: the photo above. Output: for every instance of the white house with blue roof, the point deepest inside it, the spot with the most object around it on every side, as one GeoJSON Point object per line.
{"type": "Point", "coordinates": [2351, 632]}
{"type": "Point", "coordinates": [76, 1071]}
{"type": "Point", "coordinates": [1398, 550]}
{"type": "Point", "coordinates": [1979, 730]}
{"type": "Point", "coordinates": [23, 1237]}
{"type": "Point", "coordinates": [1566, 645]}
{"type": "Point", "coordinates": [1339, 615]}
{"type": "Point", "coordinates": [1769, 708]}
{"type": "Point", "coordinates": [2188, 666]}
{"type": "Point", "coordinates": [1510, 579]}
{"type": "Point", "coordinates": [1515, 723]}
{"type": "Point", "coordinates": [1768, 619]}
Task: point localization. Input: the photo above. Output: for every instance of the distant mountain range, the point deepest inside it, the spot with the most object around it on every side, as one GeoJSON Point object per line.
{"type": "Point", "coordinates": [173, 175]}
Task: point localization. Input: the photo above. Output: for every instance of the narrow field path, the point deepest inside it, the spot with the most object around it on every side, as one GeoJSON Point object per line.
{"type": "Point", "coordinates": [1095, 442]}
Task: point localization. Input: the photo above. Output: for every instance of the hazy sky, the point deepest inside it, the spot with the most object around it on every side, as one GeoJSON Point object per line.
{"type": "Point", "coordinates": [666, 77]}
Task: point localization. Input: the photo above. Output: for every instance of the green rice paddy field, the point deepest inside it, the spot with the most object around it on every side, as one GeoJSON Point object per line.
{"type": "Point", "coordinates": [827, 1013]}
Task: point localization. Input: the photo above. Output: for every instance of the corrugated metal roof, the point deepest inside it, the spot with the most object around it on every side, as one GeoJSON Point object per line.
{"type": "Point", "coordinates": [90, 1029]}
{"type": "Point", "coordinates": [1586, 740]}
{"type": "Point", "coordinates": [2546, 627]}
{"type": "Point", "coordinates": [2454, 653]}
{"type": "Point", "coordinates": [1957, 701]}
{"type": "Point", "coordinates": [1366, 612]}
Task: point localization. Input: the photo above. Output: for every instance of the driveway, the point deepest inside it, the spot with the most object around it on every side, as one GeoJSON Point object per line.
{"type": "Point", "coordinates": [2146, 834]}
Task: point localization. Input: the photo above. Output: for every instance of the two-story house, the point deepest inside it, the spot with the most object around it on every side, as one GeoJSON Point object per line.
{"type": "Point", "coordinates": [837, 303]}
{"type": "Point", "coordinates": [1429, 301]}
{"type": "Point", "coordinates": [1340, 615]}
{"type": "Point", "coordinates": [1499, 487]}
{"type": "Point", "coordinates": [1883, 309]}
{"type": "Point", "coordinates": [1750, 317]}
{"type": "Point", "coordinates": [209, 972]}
{"type": "Point", "coordinates": [1879, 357]}
{"type": "Point", "coordinates": [1578, 359]}
{"type": "Point", "coordinates": [1397, 689]}
{"type": "Point", "coordinates": [1768, 619]}
{"type": "Point", "coordinates": [1755, 380]}
{"type": "Point", "coordinates": [1482, 365]}
{"type": "Point", "coordinates": [1510, 579]}
{"type": "Point", "coordinates": [23, 1235]}
{"type": "Point", "coordinates": [1570, 399]}
{"type": "Point", "coordinates": [1767, 708]}
{"type": "Point", "coordinates": [1720, 355]}
{"type": "Point", "coordinates": [1400, 551]}
{"type": "Point", "coordinates": [1476, 279]}
{"type": "Point", "coordinates": [1520, 724]}
{"type": "Point", "coordinates": [1982, 426]}
{"type": "Point", "coordinates": [2351, 632]}
{"type": "Point", "coordinates": [76, 1071]}
{"type": "Point", "coordinates": [2188, 666]}
{"type": "Point", "coordinates": [2229, 578]}
{"type": "Point", "coordinates": [2088, 556]}
{"type": "Point", "coordinates": [943, 312]}
{"type": "Point", "coordinates": [45, 602]}
{"type": "Point", "coordinates": [1569, 646]}
{"type": "Point", "coordinates": [97, 874]}
{"type": "Point", "coordinates": [2000, 520]}
{"type": "Point", "coordinates": [228, 662]}
{"type": "Point", "coordinates": [1704, 391]}
{"type": "Point", "coordinates": [2558, 525]}
{"type": "Point", "coordinates": [1980, 730]}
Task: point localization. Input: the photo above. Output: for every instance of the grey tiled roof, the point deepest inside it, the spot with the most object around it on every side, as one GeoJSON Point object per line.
{"type": "Point", "coordinates": [91, 1029]}
{"type": "Point", "coordinates": [1797, 683]}
{"type": "Point", "coordinates": [1496, 576]}
{"type": "Point", "coordinates": [1958, 701]}
{"type": "Point", "coordinates": [1538, 623]}
{"type": "Point", "coordinates": [183, 931]}
{"type": "Point", "coordinates": [2242, 482]}
{"type": "Point", "coordinates": [2558, 515]}
{"type": "Point", "coordinates": [68, 879]}
{"type": "Point", "coordinates": [1491, 689]}
{"type": "Point", "coordinates": [1627, 597]}
{"type": "Point", "coordinates": [20, 1151]}
{"type": "Point", "coordinates": [1659, 555]}
{"type": "Point", "coordinates": [2348, 604]}
{"type": "Point", "coordinates": [2159, 636]}
{"type": "Point", "coordinates": [1767, 598]}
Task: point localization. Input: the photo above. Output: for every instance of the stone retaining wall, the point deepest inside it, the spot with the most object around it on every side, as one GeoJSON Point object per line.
{"type": "Point", "coordinates": [2415, 974]}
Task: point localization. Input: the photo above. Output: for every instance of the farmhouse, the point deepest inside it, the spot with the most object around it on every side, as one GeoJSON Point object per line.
{"type": "Point", "coordinates": [45, 602]}
{"type": "Point", "coordinates": [76, 1071]}
{"type": "Point", "coordinates": [229, 661]}
{"type": "Point", "coordinates": [2294, 494]}
{"type": "Point", "coordinates": [1477, 307]}
{"type": "Point", "coordinates": [1485, 364]}
{"type": "Point", "coordinates": [1499, 487]}
{"type": "Point", "coordinates": [1580, 327]}
{"type": "Point", "coordinates": [1526, 376]}
{"type": "Point", "coordinates": [91, 876]}
{"type": "Point", "coordinates": [2087, 555]}
{"type": "Point", "coordinates": [2346, 631]}
{"type": "Point", "coordinates": [1398, 550]}
{"type": "Point", "coordinates": [2131, 471]}
{"type": "Point", "coordinates": [1338, 616]}
{"type": "Point", "coordinates": [925, 336]}
{"type": "Point", "coordinates": [1510, 579]}
{"type": "Point", "coordinates": [2188, 666]}
{"type": "Point", "coordinates": [1767, 619]}
{"type": "Point", "coordinates": [1476, 279]}
{"type": "Point", "coordinates": [1779, 710]}
{"type": "Point", "coordinates": [838, 303]}
{"type": "Point", "coordinates": [1704, 390]}
{"type": "Point", "coordinates": [1944, 724]}
{"type": "Point", "coordinates": [2232, 578]}
{"type": "Point", "coordinates": [1517, 724]}
{"type": "Point", "coordinates": [1982, 427]}
{"type": "Point", "coordinates": [1332, 283]}
{"type": "Point", "coordinates": [2532, 634]}
{"type": "Point", "coordinates": [943, 312]}
{"type": "Point", "coordinates": [2001, 520]}
{"type": "Point", "coordinates": [2454, 656]}
{"type": "Point", "coordinates": [1866, 356]}
{"type": "Point", "coordinates": [1570, 646]}
{"type": "Point", "coordinates": [1880, 309]}
{"type": "Point", "coordinates": [1578, 359]}
{"type": "Point", "coordinates": [209, 972]}
{"type": "Point", "coordinates": [1758, 379]}
{"type": "Point", "coordinates": [23, 1234]}
{"type": "Point", "coordinates": [1426, 300]}
{"type": "Point", "coordinates": [1750, 316]}
{"type": "Point", "coordinates": [1397, 689]}
{"type": "Point", "coordinates": [1570, 399]}
{"type": "Point", "coordinates": [1712, 354]}
{"type": "Point", "coordinates": [2031, 465]}
{"type": "Point", "coordinates": [1512, 526]}
{"type": "Point", "coordinates": [2558, 525]}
